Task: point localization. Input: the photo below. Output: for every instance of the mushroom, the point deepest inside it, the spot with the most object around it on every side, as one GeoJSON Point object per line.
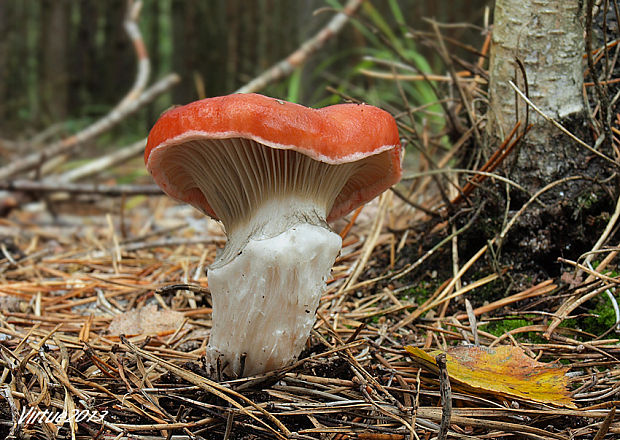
{"type": "Point", "coordinates": [273, 173]}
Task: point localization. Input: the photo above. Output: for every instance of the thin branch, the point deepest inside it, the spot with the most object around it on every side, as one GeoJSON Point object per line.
{"type": "Point", "coordinates": [144, 64]}
{"type": "Point", "coordinates": [133, 100]}
{"type": "Point", "coordinates": [611, 224]}
{"type": "Point", "coordinates": [443, 52]}
{"type": "Point", "coordinates": [601, 95]}
{"type": "Point", "coordinates": [105, 162]}
{"type": "Point", "coordinates": [286, 66]}
{"type": "Point", "coordinates": [465, 171]}
{"type": "Point", "coordinates": [110, 120]}
{"type": "Point", "coordinates": [604, 429]}
{"type": "Point", "coordinates": [79, 188]}
{"type": "Point", "coordinates": [561, 127]}
{"type": "Point", "coordinates": [446, 397]}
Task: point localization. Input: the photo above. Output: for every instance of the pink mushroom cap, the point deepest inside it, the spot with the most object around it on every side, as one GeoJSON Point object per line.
{"type": "Point", "coordinates": [335, 134]}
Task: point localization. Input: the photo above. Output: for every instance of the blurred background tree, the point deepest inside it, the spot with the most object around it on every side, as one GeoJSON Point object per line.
{"type": "Point", "coordinates": [64, 63]}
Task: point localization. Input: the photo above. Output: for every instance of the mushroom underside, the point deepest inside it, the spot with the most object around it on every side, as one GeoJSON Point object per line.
{"type": "Point", "coordinates": [267, 283]}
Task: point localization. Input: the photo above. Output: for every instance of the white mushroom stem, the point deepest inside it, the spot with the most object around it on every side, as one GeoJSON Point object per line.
{"type": "Point", "coordinates": [267, 283]}
{"type": "Point", "coordinates": [266, 296]}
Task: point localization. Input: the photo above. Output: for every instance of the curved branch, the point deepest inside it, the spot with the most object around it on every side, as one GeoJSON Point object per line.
{"type": "Point", "coordinates": [297, 58]}
{"type": "Point", "coordinates": [135, 98]}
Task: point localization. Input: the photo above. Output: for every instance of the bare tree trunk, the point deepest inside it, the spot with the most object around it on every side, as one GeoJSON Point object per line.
{"type": "Point", "coordinates": [232, 44]}
{"type": "Point", "coordinates": [54, 86]}
{"type": "Point", "coordinates": [116, 56]}
{"type": "Point", "coordinates": [83, 74]}
{"type": "Point", "coordinates": [4, 59]}
{"type": "Point", "coordinates": [547, 37]}
{"type": "Point", "coordinates": [539, 46]}
{"type": "Point", "coordinates": [154, 47]}
{"type": "Point", "coordinates": [186, 50]}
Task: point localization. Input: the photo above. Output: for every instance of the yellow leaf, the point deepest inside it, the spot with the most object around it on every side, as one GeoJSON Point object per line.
{"type": "Point", "coordinates": [503, 370]}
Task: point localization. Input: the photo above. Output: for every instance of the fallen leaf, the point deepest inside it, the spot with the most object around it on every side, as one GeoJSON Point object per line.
{"type": "Point", "coordinates": [10, 303]}
{"type": "Point", "coordinates": [146, 320]}
{"type": "Point", "coordinates": [504, 370]}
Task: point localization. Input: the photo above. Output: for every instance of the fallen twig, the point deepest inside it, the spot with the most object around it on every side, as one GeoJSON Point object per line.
{"type": "Point", "coordinates": [135, 98]}
{"type": "Point", "coordinates": [446, 397]}
{"type": "Point", "coordinates": [297, 58]}
{"type": "Point", "coordinates": [80, 188]}
{"type": "Point", "coordinates": [116, 115]}
{"type": "Point", "coordinates": [104, 162]}
{"type": "Point", "coordinates": [562, 128]}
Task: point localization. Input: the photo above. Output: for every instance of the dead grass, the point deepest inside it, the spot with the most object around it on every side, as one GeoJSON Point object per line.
{"type": "Point", "coordinates": [63, 282]}
{"type": "Point", "coordinates": [403, 278]}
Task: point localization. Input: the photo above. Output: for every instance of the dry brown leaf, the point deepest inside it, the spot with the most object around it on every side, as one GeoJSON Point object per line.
{"type": "Point", "coordinates": [146, 320]}
{"type": "Point", "coordinates": [504, 370]}
{"type": "Point", "coordinates": [10, 303]}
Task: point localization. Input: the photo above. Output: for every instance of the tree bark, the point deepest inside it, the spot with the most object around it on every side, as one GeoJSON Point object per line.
{"type": "Point", "coordinates": [547, 37]}
{"type": "Point", "coordinates": [186, 50]}
{"type": "Point", "coordinates": [83, 74]}
{"type": "Point", "coordinates": [118, 65]}
{"type": "Point", "coordinates": [54, 86]}
{"type": "Point", "coordinates": [539, 46]}
{"type": "Point", "coordinates": [4, 59]}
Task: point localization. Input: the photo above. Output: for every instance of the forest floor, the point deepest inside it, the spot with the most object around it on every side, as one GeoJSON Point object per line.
{"type": "Point", "coordinates": [422, 333]}
{"type": "Point", "coordinates": [105, 311]}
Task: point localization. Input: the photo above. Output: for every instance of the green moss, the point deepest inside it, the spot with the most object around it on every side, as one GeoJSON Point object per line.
{"type": "Point", "coordinates": [569, 323]}
{"type": "Point", "coordinates": [607, 271]}
{"type": "Point", "coordinates": [489, 292]}
{"type": "Point", "coordinates": [420, 293]}
{"type": "Point", "coordinates": [375, 319]}
{"type": "Point", "coordinates": [501, 327]}
{"type": "Point", "coordinates": [498, 328]}
{"type": "Point", "coordinates": [587, 200]}
{"type": "Point", "coordinates": [602, 310]}
{"type": "Point", "coordinates": [604, 318]}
